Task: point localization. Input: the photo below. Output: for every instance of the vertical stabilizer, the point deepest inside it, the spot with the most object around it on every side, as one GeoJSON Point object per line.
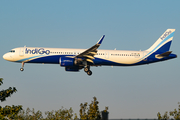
{"type": "Point", "coordinates": [164, 42]}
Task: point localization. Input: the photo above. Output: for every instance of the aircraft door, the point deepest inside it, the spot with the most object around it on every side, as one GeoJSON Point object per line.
{"type": "Point", "coordinates": [21, 51]}
{"type": "Point", "coordinates": [106, 55]}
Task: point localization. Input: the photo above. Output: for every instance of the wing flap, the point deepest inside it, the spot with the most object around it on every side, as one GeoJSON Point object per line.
{"type": "Point", "coordinates": [89, 60]}
{"type": "Point", "coordinates": [94, 53]}
{"type": "Point", "coordinates": [88, 56]}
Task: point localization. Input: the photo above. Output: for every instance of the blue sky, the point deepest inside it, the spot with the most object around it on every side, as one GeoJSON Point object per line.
{"type": "Point", "coordinates": [129, 92]}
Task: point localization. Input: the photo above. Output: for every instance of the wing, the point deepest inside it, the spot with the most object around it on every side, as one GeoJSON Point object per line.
{"type": "Point", "coordinates": [89, 54]}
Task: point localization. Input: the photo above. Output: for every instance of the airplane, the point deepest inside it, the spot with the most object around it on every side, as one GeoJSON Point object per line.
{"type": "Point", "coordinates": [76, 59]}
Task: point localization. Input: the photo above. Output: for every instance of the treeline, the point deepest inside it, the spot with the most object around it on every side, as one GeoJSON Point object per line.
{"type": "Point", "coordinates": [28, 114]}
{"type": "Point", "coordinates": [86, 112]}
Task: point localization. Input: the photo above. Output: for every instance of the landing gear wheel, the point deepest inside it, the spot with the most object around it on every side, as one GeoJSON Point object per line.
{"type": "Point", "coordinates": [89, 72]}
{"type": "Point", "coordinates": [21, 69]}
{"type": "Point", "coordinates": [86, 69]}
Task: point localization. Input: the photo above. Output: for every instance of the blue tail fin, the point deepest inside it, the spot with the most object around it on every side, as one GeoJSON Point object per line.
{"type": "Point", "coordinates": [164, 42]}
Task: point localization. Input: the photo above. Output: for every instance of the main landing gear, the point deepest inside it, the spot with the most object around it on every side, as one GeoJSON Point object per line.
{"type": "Point", "coordinates": [87, 70]}
{"type": "Point", "coordinates": [22, 69]}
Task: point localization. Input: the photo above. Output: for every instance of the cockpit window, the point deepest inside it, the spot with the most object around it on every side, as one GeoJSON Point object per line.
{"type": "Point", "coordinates": [12, 51]}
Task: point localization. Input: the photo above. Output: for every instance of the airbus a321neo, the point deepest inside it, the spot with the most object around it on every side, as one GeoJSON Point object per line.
{"type": "Point", "coordinates": [77, 59]}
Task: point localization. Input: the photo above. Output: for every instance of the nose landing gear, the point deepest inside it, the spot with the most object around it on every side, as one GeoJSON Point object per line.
{"type": "Point", "coordinates": [22, 69]}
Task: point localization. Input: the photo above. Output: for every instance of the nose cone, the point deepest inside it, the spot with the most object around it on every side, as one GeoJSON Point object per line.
{"type": "Point", "coordinates": [7, 57]}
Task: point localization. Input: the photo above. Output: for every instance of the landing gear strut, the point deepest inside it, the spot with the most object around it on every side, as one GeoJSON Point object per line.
{"type": "Point", "coordinates": [87, 70]}
{"type": "Point", "coordinates": [22, 69]}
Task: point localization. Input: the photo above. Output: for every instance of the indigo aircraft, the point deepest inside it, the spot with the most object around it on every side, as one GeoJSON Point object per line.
{"type": "Point", "coordinates": [77, 59]}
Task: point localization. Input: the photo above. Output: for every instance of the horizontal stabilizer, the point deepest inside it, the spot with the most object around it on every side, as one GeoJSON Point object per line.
{"type": "Point", "coordinates": [165, 54]}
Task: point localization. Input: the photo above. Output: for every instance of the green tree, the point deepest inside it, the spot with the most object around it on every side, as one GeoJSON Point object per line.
{"type": "Point", "coordinates": [30, 115]}
{"type": "Point", "coordinates": [6, 93]}
{"type": "Point", "coordinates": [83, 111]}
{"type": "Point", "coordinates": [61, 114]}
{"type": "Point", "coordinates": [91, 113]}
{"type": "Point", "coordinates": [164, 117]}
{"type": "Point", "coordinates": [159, 116]}
{"type": "Point", "coordinates": [8, 112]}
{"type": "Point", "coordinates": [175, 114]}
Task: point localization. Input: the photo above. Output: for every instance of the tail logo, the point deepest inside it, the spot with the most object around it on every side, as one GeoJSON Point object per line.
{"type": "Point", "coordinates": [165, 35]}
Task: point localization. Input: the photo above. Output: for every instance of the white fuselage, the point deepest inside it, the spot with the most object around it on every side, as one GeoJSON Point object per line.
{"type": "Point", "coordinates": [27, 54]}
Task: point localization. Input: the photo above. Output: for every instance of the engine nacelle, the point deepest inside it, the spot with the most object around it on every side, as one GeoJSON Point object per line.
{"type": "Point", "coordinates": [72, 69]}
{"type": "Point", "coordinates": [65, 61]}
